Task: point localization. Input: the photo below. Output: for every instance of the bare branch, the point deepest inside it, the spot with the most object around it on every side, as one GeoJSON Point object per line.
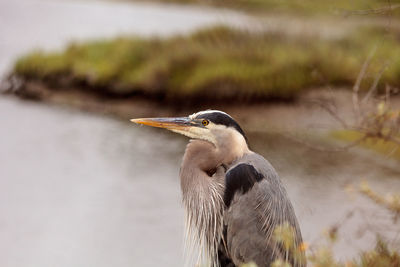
{"type": "Point", "coordinates": [373, 87]}
{"type": "Point", "coordinates": [375, 11]}
{"type": "Point", "coordinates": [324, 149]}
{"type": "Point", "coordinates": [394, 150]}
{"type": "Point", "coordinates": [333, 113]}
{"type": "Point", "coordinates": [387, 94]}
{"type": "Point", "coordinates": [356, 87]}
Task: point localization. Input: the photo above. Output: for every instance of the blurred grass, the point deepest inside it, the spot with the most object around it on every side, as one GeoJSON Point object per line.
{"type": "Point", "coordinates": [387, 148]}
{"type": "Point", "coordinates": [217, 63]}
{"type": "Point", "coordinates": [383, 255]}
{"type": "Point", "coordinates": [305, 7]}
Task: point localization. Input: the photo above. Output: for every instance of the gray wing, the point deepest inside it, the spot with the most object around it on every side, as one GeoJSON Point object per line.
{"type": "Point", "coordinates": [256, 202]}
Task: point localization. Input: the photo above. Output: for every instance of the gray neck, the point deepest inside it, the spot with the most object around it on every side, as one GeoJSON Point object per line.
{"type": "Point", "coordinates": [202, 199]}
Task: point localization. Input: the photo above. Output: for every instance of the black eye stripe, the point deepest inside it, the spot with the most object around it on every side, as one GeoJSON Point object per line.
{"type": "Point", "coordinates": [222, 119]}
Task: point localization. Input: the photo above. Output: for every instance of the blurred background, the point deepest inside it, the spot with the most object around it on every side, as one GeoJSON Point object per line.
{"type": "Point", "coordinates": [314, 84]}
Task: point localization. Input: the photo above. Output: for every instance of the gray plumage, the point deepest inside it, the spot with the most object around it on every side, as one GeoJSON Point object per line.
{"type": "Point", "coordinates": [233, 197]}
{"type": "Point", "coordinates": [253, 216]}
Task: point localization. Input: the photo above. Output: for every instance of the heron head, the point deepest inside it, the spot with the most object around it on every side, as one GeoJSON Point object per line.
{"type": "Point", "coordinates": [213, 126]}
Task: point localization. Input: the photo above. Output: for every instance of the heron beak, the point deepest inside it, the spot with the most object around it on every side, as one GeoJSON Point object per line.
{"type": "Point", "coordinates": [178, 123]}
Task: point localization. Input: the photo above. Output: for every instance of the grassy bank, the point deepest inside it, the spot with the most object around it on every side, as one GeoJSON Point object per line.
{"type": "Point", "coordinates": [305, 7]}
{"type": "Point", "coordinates": [216, 63]}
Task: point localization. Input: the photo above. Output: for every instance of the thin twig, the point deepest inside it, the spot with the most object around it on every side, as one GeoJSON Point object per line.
{"type": "Point", "coordinates": [394, 150]}
{"type": "Point", "coordinates": [333, 113]}
{"type": "Point", "coordinates": [356, 87]}
{"type": "Point", "coordinates": [324, 149]}
{"type": "Point", "coordinates": [373, 87]}
{"type": "Point", "coordinates": [387, 94]}
{"type": "Point", "coordinates": [375, 11]}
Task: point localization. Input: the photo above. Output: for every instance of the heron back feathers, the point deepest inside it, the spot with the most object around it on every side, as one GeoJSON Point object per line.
{"type": "Point", "coordinates": [256, 203]}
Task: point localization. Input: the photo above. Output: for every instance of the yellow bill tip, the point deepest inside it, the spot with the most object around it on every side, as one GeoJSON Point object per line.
{"type": "Point", "coordinates": [135, 120]}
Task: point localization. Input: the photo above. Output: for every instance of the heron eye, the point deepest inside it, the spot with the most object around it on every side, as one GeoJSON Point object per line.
{"type": "Point", "coordinates": [205, 122]}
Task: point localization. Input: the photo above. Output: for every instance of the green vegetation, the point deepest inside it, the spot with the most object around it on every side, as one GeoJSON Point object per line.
{"type": "Point", "coordinates": [305, 7]}
{"type": "Point", "coordinates": [387, 148]}
{"type": "Point", "coordinates": [380, 256]}
{"type": "Point", "coordinates": [377, 128]}
{"type": "Point", "coordinates": [323, 256]}
{"type": "Point", "coordinates": [319, 255]}
{"type": "Point", "coordinates": [215, 63]}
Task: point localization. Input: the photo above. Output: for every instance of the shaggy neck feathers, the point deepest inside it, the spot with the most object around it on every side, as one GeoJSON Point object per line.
{"type": "Point", "coordinates": [202, 183]}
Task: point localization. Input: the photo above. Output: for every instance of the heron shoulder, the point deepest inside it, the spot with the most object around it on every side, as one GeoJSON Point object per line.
{"type": "Point", "coordinates": [262, 165]}
{"type": "Point", "coordinates": [240, 179]}
{"type": "Point", "coordinates": [245, 172]}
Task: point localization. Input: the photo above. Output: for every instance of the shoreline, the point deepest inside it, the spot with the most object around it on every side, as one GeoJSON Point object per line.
{"type": "Point", "coordinates": [277, 113]}
{"type": "Point", "coordinates": [299, 114]}
{"type": "Point", "coordinates": [302, 120]}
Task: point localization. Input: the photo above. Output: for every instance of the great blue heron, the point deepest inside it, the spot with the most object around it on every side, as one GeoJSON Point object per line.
{"type": "Point", "coordinates": [233, 197]}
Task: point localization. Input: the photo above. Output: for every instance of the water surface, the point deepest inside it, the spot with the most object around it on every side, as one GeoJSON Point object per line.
{"type": "Point", "coordinates": [85, 190]}
{"type": "Point", "coordinates": [82, 190]}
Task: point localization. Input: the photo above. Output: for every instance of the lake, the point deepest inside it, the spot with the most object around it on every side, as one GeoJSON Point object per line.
{"type": "Point", "coordinates": [79, 189]}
